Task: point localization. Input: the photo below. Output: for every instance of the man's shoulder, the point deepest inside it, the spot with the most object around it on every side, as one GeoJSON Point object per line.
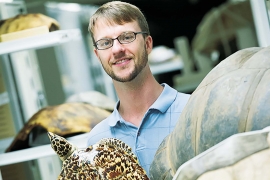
{"type": "Point", "coordinates": [183, 96]}
{"type": "Point", "coordinates": [180, 101]}
{"type": "Point", "coordinates": [170, 100]}
{"type": "Point", "coordinates": [101, 126]}
{"type": "Point", "coordinates": [170, 90]}
{"type": "Point", "coordinates": [101, 130]}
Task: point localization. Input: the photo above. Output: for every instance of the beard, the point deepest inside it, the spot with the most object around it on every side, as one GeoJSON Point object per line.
{"type": "Point", "coordinates": [138, 68]}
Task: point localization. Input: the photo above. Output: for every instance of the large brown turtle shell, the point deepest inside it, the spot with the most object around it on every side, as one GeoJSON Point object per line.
{"type": "Point", "coordinates": [65, 120]}
{"type": "Point", "coordinates": [233, 98]}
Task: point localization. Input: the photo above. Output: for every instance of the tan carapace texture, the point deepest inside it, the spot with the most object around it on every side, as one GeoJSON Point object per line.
{"type": "Point", "coordinates": [253, 167]}
{"type": "Point", "coordinates": [256, 166]}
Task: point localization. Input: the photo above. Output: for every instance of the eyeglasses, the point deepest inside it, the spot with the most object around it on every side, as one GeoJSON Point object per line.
{"type": "Point", "coordinates": [124, 38]}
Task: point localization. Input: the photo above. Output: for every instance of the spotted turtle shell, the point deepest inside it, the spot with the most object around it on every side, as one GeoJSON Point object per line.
{"type": "Point", "coordinates": [110, 158]}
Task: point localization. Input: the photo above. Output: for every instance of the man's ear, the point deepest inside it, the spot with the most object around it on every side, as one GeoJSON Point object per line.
{"type": "Point", "coordinates": [149, 44]}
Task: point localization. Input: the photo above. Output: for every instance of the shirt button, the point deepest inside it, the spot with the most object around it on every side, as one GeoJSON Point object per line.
{"type": "Point", "coordinates": [138, 134]}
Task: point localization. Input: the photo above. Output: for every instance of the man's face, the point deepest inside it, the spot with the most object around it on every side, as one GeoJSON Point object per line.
{"type": "Point", "coordinates": [122, 62]}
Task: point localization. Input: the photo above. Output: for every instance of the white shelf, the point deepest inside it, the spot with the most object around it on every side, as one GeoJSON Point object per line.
{"type": "Point", "coordinates": [166, 66]}
{"type": "Point", "coordinates": [38, 152]}
{"type": "Point", "coordinates": [40, 41]}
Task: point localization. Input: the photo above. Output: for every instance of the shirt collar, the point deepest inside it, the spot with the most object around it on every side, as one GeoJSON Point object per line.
{"type": "Point", "coordinates": [163, 102]}
{"type": "Point", "coordinates": [165, 99]}
{"type": "Point", "coordinates": [115, 116]}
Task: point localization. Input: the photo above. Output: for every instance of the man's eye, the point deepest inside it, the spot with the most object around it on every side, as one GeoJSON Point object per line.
{"type": "Point", "coordinates": [127, 37]}
{"type": "Point", "coordinates": [105, 43]}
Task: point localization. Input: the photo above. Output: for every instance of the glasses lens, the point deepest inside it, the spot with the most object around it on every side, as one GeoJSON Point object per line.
{"type": "Point", "coordinates": [104, 43]}
{"type": "Point", "coordinates": [126, 37]}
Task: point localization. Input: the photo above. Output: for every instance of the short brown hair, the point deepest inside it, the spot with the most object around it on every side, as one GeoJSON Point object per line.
{"type": "Point", "coordinates": [117, 12]}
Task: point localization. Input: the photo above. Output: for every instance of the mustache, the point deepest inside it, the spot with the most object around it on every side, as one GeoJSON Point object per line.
{"type": "Point", "coordinates": [119, 55]}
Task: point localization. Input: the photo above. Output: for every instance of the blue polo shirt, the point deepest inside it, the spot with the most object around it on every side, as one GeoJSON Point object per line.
{"type": "Point", "coordinates": [157, 123]}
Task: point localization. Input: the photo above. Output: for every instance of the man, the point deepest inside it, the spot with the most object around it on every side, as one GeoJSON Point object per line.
{"type": "Point", "coordinates": [146, 111]}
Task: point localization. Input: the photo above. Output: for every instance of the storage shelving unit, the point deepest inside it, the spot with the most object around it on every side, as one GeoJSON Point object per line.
{"type": "Point", "coordinates": [38, 152]}
{"type": "Point", "coordinates": [12, 51]}
{"type": "Point", "coordinates": [40, 41]}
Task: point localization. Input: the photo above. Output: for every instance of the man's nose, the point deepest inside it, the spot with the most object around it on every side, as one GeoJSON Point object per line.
{"type": "Point", "coordinates": [117, 46]}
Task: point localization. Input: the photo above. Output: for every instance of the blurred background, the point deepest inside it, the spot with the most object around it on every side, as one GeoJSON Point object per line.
{"type": "Point", "coordinates": [190, 38]}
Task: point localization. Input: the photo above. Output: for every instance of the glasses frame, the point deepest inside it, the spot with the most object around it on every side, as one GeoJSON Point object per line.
{"type": "Point", "coordinates": [112, 39]}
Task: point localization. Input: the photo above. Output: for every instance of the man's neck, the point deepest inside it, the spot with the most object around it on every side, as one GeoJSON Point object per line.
{"type": "Point", "coordinates": [136, 97]}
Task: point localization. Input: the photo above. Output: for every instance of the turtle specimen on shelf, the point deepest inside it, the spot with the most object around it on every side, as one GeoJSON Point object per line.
{"type": "Point", "coordinates": [67, 119]}
{"type": "Point", "coordinates": [27, 21]}
{"type": "Point", "coordinates": [109, 158]}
